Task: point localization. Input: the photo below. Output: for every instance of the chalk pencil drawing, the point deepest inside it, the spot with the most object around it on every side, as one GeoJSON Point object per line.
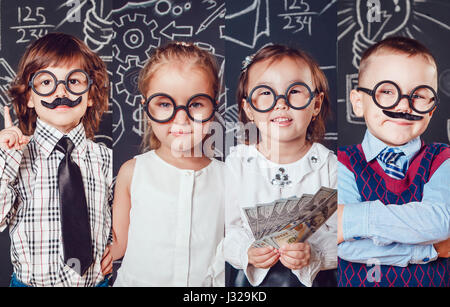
{"type": "Point", "coordinates": [218, 13]}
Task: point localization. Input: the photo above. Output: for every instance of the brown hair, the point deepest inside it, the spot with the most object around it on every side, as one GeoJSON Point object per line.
{"type": "Point", "coordinates": [395, 44]}
{"type": "Point", "coordinates": [174, 51]}
{"type": "Point", "coordinates": [60, 49]}
{"type": "Point", "coordinates": [316, 128]}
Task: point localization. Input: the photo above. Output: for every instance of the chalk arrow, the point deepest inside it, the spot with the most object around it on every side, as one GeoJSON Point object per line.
{"type": "Point", "coordinates": [171, 30]}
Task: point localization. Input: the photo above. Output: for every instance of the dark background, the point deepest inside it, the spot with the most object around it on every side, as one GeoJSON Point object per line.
{"type": "Point", "coordinates": [22, 22]}
{"type": "Point", "coordinates": [427, 21]}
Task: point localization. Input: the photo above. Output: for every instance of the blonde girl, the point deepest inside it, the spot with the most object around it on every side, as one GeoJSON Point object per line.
{"type": "Point", "coordinates": [168, 205]}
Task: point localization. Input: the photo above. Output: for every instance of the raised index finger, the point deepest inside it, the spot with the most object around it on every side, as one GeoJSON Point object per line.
{"type": "Point", "coordinates": [8, 120]}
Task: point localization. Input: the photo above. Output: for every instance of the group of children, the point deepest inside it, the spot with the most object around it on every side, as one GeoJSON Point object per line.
{"type": "Point", "coordinates": [176, 214]}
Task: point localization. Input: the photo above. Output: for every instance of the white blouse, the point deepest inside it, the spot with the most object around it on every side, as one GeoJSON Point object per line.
{"type": "Point", "coordinates": [251, 180]}
{"type": "Point", "coordinates": [176, 226]}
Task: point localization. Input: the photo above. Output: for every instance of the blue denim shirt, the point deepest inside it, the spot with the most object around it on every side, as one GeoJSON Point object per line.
{"type": "Point", "coordinates": [394, 235]}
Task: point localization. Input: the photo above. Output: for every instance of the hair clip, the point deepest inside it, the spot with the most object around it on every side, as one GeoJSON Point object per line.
{"type": "Point", "coordinates": [184, 44]}
{"type": "Point", "coordinates": [247, 61]}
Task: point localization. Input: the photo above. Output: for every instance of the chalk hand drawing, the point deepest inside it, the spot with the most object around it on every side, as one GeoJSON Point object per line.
{"type": "Point", "coordinates": [97, 30]}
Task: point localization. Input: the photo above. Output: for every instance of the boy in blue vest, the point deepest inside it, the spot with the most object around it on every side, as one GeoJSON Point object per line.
{"type": "Point", "coordinates": [393, 226]}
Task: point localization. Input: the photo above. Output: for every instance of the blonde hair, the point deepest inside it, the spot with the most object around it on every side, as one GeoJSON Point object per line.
{"type": "Point", "coordinates": [174, 51]}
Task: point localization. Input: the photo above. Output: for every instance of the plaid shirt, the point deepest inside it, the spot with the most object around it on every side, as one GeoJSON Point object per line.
{"type": "Point", "coordinates": [29, 204]}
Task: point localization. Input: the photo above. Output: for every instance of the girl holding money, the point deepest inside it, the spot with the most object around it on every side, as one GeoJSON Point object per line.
{"type": "Point", "coordinates": [284, 94]}
{"type": "Point", "coordinates": [168, 214]}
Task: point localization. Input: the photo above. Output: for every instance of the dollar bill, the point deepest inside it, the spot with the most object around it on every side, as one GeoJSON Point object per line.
{"type": "Point", "coordinates": [264, 211]}
{"type": "Point", "coordinates": [271, 221]}
{"type": "Point", "coordinates": [252, 219]}
{"type": "Point", "coordinates": [304, 209]}
{"type": "Point", "coordinates": [291, 235]}
{"type": "Point", "coordinates": [325, 209]}
{"type": "Point", "coordinates": [285, 216]}
{"type": "Point", "coordinates": [290, 220]}
{"type": "Point", "coordinates": [295, 211]}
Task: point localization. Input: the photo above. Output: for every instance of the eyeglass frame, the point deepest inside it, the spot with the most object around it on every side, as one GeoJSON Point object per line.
{"type": "Point", "coordinates": [58, 82]}
{"type": "Point", "coordinates": [182, 107]}
{"type": "Point", "coordinates": [400, 96]}
{"type": "Point", "coordinates": [312, 95]}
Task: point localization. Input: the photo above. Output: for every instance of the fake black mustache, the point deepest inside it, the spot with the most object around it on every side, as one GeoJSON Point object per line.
{"type": "Point", "coordinates": [62, 102]}
{"type": "Point", "coordinates": [402, 115]}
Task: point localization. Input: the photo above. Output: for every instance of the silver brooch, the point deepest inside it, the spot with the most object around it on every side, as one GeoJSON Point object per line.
{"type": "Point", "coordinates": [246, 62]}
{"type": "Point", "coordinates": [281, 178]}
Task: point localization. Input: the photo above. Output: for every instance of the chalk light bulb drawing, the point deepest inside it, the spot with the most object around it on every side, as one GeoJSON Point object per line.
{"type": "Point", "coordinates": [377, 20]}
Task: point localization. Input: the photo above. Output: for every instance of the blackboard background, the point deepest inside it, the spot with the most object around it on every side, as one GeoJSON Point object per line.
{"type": "Point", "coordinates": [36, 19]}
{"type": "Point", "coordinates": [426, 21]}
{"type": "Point", "coordinates": [317, 26]}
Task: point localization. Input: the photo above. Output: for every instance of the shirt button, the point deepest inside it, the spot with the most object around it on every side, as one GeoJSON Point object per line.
{"type": "Point", "coordinates": [357, 238]}
{"type": "Point", "coordinates": [426, 259]}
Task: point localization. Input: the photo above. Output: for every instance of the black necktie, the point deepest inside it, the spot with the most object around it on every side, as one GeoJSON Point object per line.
{"type": "Point", "coordinates": [76, 231]}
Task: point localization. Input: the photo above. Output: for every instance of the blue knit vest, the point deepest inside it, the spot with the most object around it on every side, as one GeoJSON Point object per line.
{"type": "Point", "coordinates": [374, 184]}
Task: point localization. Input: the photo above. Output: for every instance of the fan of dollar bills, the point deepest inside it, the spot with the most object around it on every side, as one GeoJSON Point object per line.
{"type": "Point", "coordinates": [290, 220]}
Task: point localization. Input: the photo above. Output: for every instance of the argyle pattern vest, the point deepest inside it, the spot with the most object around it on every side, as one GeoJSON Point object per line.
{"type": "Point", "coordinates": [374, 184]}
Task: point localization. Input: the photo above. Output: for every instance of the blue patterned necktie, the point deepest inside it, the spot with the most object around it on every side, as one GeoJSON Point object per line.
{"type": "Point", "coordinates": [389, 157]}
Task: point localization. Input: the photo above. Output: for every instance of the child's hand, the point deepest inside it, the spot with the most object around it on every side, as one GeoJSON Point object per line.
{"type": "Point", "coordinates": [263, 257]}
{"type": "Point", "coordinates": [11, 137]}
{"type": "Point", "coordinates": [107, 262]}
{"type": "Point", "coordinates": [443, 248]}
{"type": "Point", "coordinates": [295, 256]}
